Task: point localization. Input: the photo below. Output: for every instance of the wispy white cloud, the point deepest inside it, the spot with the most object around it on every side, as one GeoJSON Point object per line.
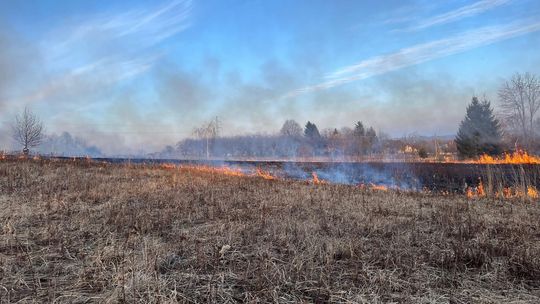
{"type": "Point", "coordinates": [422, 53]}
{"type": "Point", "coordinates": [84, 79]}
{"type": "Point", "coordinates": [140, 28]}
{"type": "Point", "coordinates": [163, 21]}
{"type": "Point", "coordinates": [408, 12]}
{"type": "Point", "coordinates": [457, 14]}
{"type": "Point", "coordinates": [104, 49]}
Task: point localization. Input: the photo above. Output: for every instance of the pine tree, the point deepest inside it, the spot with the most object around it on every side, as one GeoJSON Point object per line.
{"type": "Point", "coordinates": [311, 131]}
{"type": "Point", "coordinates": [314, 138]}
{"type": "Point", "coordinates": [479, 132]}
{"type": "Point", "coordinates": [359, 130]}
{"type": "Point", "coordinates": [371, 139]}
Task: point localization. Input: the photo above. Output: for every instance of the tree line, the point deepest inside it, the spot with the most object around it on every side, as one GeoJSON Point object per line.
{"type": "Point", "coordinates": [482, 131]}
{"type": "Point", "coordinates": [293, 140]}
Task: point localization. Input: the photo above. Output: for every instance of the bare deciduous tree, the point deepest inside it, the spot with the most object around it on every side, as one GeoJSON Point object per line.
{"type": "Point", "coordinates": [209, 131]}
{"type": "Point", "coordinates": [27, 130]}
{"type": "Point", "coordinates": [520, 101]}
{"type": "Point", "coordinates": [291, 129]}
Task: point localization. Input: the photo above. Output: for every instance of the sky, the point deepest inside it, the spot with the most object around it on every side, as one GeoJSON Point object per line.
{"type": "Point", "coordinates": [134, 76]}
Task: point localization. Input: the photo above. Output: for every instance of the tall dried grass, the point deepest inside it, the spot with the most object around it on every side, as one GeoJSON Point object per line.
{"type": "Point", "coordinates": [79, 232]}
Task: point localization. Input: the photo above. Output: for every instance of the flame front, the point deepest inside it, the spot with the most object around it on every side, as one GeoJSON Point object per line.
{"type": "Point", "coordinates": [373, 186]}
{"type": "Point", "coordinates": [221, 170]}
{"type": "Point", "coordinates": [506, 193]}
{"type": "Point", "coordinates": [518, 157]}
{"type": "Point", "coordinates": [378, 187]}
{"type": "Point", "coordinates": [208, 169]}
{"type": "Point", "coordinates": [471, 192]}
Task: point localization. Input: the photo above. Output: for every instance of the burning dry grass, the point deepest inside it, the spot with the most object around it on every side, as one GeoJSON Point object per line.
{"type": "Point", "coordinates": [222, 170]}
{"type": "Point", "coordinates": [88, 232]}
{"type": "Point", "coordinates": [527, 192]}
{"type": "Point", "coordinates": [517, 157]}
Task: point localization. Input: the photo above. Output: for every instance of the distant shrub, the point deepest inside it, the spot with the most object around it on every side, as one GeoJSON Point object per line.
{"type": "Point", "coordinates": [422, 153]}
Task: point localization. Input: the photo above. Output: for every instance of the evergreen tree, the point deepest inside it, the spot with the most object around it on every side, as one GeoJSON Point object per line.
{"type": "Point", "coordinates": [311, 131]}
{"type": "Point", "coordinates": [314, 139]}
{"type": "Point", "coordinates": [359, 140]}
{"type": "Point", "coordinates": [359, 130]}
{"type": "Point", "coordinates": [371, 139]}
{"type": "Point", "coordinates": [371, 134]}
{"type": "Point", "coordinates": [479, 133]}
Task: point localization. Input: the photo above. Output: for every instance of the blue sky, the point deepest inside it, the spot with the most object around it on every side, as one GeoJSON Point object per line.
{"type": "Point", "coordinates": [137, 75]}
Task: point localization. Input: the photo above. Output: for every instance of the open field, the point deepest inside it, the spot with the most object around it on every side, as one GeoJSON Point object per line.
{"type": "Point", "coordinates": [79, 232]}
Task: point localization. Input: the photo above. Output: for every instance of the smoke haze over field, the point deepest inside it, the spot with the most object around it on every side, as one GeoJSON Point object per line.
{"type": "Point", "coordinates": [134, 78]}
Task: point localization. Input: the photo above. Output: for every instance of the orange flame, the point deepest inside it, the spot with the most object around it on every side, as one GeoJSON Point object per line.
{"type": "Point", "coordinates": [373, 186]}
{"type": "Point", "coordinates": [518, 157]}
{"type": "Point", "coordinates": [469, 193]}
{"type": "Point", "coordinates": [507, 192]}
{"type": "Point", "coordinates": [532, 192]}
{"type": "Point", "coordinates": [214, 170]}
{"type": "Point", "coordinates": [476, 192]}
{"type": "Point", "coordinates": [264, 174]}
{"type": "Point", "coordinates": [316, 180]}
{"type": "Point", "coordinates": [221, 170]}
{"type": "Point", "coordinates": [378, 187]}
{"type": "Point", "coordinates": [480, 189]}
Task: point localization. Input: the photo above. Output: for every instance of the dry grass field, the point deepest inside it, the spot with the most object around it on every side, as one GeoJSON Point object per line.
{"type": "Point", "coordinates": [77, 232]}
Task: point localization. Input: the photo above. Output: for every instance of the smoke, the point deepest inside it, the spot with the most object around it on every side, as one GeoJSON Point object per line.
{"type": "Point", "coordinates": [397, 103]}
{"type": "Point", "coordinates": [121, 120]}
{"type": "Point", "coordinates": [90, 73]}
{"type": "Point", "coordinates": [109, 79]}
{"type": "Point", "coordinates": [244, 105]}
{"type": "Point", "coordinates": [67, 145]}
{"type": "Point", "coordinates": [187, 96]}
{"type": "Point", "coordinates": [409, 101]}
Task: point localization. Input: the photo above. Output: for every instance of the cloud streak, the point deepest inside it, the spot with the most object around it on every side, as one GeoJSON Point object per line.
{"type": "Point", "coordinates": [106, 49]}
{"type": "Point", "coordinates": [146, 27]}
{"type": "Point", "coordinates": [421, 53]}
{"type": "Point", "coordinates": [457, 14]}
{"type": "Point", "coordinates": [84, 79]}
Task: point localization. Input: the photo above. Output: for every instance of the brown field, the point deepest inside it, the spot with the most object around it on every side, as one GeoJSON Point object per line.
{"type": "Point", "coordinates": [80, 232]}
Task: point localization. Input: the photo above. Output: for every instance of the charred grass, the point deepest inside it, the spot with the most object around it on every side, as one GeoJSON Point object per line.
{"type": "Point", "coordinates": [78, 232]}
